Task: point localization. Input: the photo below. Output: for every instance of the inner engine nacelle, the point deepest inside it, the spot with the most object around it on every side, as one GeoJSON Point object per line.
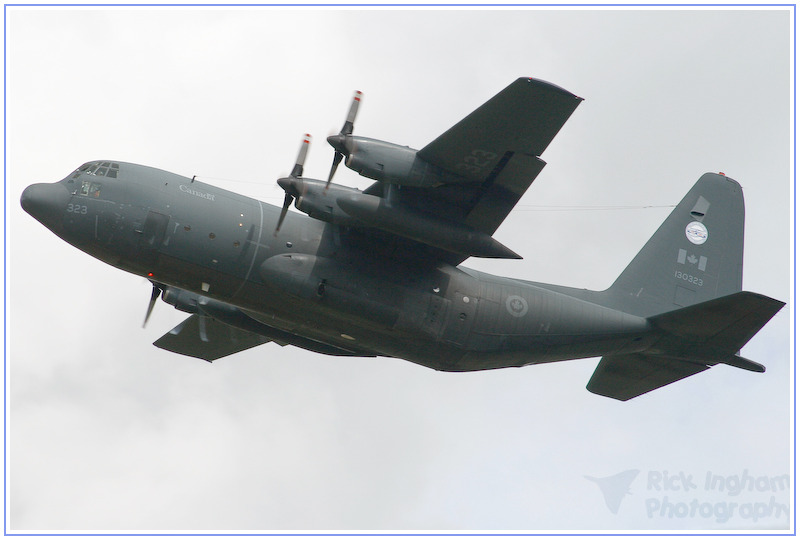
{"type": "Point", "coordinates": [318, 200]}
{"type": "Point", "coordinates": [382, 161]}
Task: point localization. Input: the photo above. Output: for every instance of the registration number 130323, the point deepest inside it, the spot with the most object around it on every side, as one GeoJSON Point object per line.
{"type": "Point", "coordinates": [689, 277]}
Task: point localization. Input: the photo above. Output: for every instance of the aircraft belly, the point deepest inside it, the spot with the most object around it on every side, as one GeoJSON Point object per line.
{"type": "Point", "coordinates": [450, 321]}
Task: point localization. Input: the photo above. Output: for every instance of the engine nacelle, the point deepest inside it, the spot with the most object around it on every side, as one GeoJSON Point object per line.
{"type": "Point", "coordinates": [319, 201]}
{"type": "Point", "coordinates": [382, 161]}
{"type": "Point", "coordinates": [180, 299]}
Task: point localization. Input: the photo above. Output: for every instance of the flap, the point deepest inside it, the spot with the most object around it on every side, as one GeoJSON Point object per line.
{"type": "Point", "coordinates": [205, 338]}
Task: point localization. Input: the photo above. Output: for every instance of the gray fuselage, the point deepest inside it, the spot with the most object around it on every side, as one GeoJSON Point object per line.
{"type": "Point", "coordinates": [327, 283]}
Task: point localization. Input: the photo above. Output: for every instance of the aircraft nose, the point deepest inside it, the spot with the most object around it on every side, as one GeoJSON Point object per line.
{"type": "Point", "coordinates": [46, 203]}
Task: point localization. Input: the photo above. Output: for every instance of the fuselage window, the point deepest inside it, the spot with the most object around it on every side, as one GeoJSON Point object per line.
{"type": "Point", "coordinates": [101, 171]}
{"type": "Point", "coordinates": [85, 185]}
{"type": "Point", "coordinates": [112, 173]}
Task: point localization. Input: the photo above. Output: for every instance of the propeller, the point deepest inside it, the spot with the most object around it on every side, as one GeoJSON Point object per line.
{"type": "Point", "coordinates": [341, 142]}
{"type": "Point", "coordinates": [291, 184]}
{"type": "Point", "coordinates": [157, 289]}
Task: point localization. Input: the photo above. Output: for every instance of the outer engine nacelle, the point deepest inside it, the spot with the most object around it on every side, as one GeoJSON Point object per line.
{"type": "Point", "coordinates": [382, 161]}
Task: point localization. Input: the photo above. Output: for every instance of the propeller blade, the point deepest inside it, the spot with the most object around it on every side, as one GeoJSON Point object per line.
{"type": "Point", "coordinates": [297, 171]}
{"type": "Point", "coordinates": [152, 304]}
{"type": "Point", "coordinates": [337, 158]}
{"type": "Point", "coordinates": [340, 140]}
{"type": "Point", "coordinates": [347, 128]}
{"type": "Point", "coordinates": [291, 183]}
{"type": "Point", "coordinates": [287, 200]}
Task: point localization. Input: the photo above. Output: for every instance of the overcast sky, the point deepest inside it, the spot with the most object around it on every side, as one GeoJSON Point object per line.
{"type": "Point", "coordinates": [108, 432]}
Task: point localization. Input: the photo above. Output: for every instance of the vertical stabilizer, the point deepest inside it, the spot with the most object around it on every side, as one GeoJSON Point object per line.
{"type": "Point", "coordinates": [695, 256]}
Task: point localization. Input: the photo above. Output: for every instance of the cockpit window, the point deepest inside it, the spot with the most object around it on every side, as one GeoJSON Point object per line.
{"type": "Point", "coordinates": [90, 189]}
{"type": "Point", "coordinates": [106, 169]}
{"type": "Point", "coordinates": [80, 170]}
{"type": "Point", "coordinates": [97, 168]}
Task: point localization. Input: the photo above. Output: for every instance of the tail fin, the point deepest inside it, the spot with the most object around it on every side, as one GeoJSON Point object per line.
{"type": "Point", "coordinates": [687, 281]}
{"type": "Point", "coordinates": [695, 256]}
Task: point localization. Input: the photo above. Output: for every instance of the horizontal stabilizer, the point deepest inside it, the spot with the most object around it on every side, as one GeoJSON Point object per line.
{"type": "Point", "coordinates": [625, 376]}
{"type": "Point", "coordinates": [205, 338]}
{"type": "Point", "coordinates": [694, 338]}
{"type": "Point", "coordinates": [726, 323]}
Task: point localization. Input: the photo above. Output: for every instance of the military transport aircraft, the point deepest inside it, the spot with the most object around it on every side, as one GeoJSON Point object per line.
{"type": "Point", "coordinates": [376, 272]}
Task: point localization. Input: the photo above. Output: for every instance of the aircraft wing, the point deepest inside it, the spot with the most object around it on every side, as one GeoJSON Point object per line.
{"type": "Point", "coordinates": [205, 338]}
{"type": "Point", "coordinates": [497, 150]}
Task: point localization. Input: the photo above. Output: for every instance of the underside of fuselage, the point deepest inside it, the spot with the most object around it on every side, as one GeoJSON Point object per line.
{"type": "Point", "coordinates": [447, 318]}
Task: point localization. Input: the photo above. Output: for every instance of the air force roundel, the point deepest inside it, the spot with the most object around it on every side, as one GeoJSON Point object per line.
{"type": "Point", "coordinates": [516, 306]}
